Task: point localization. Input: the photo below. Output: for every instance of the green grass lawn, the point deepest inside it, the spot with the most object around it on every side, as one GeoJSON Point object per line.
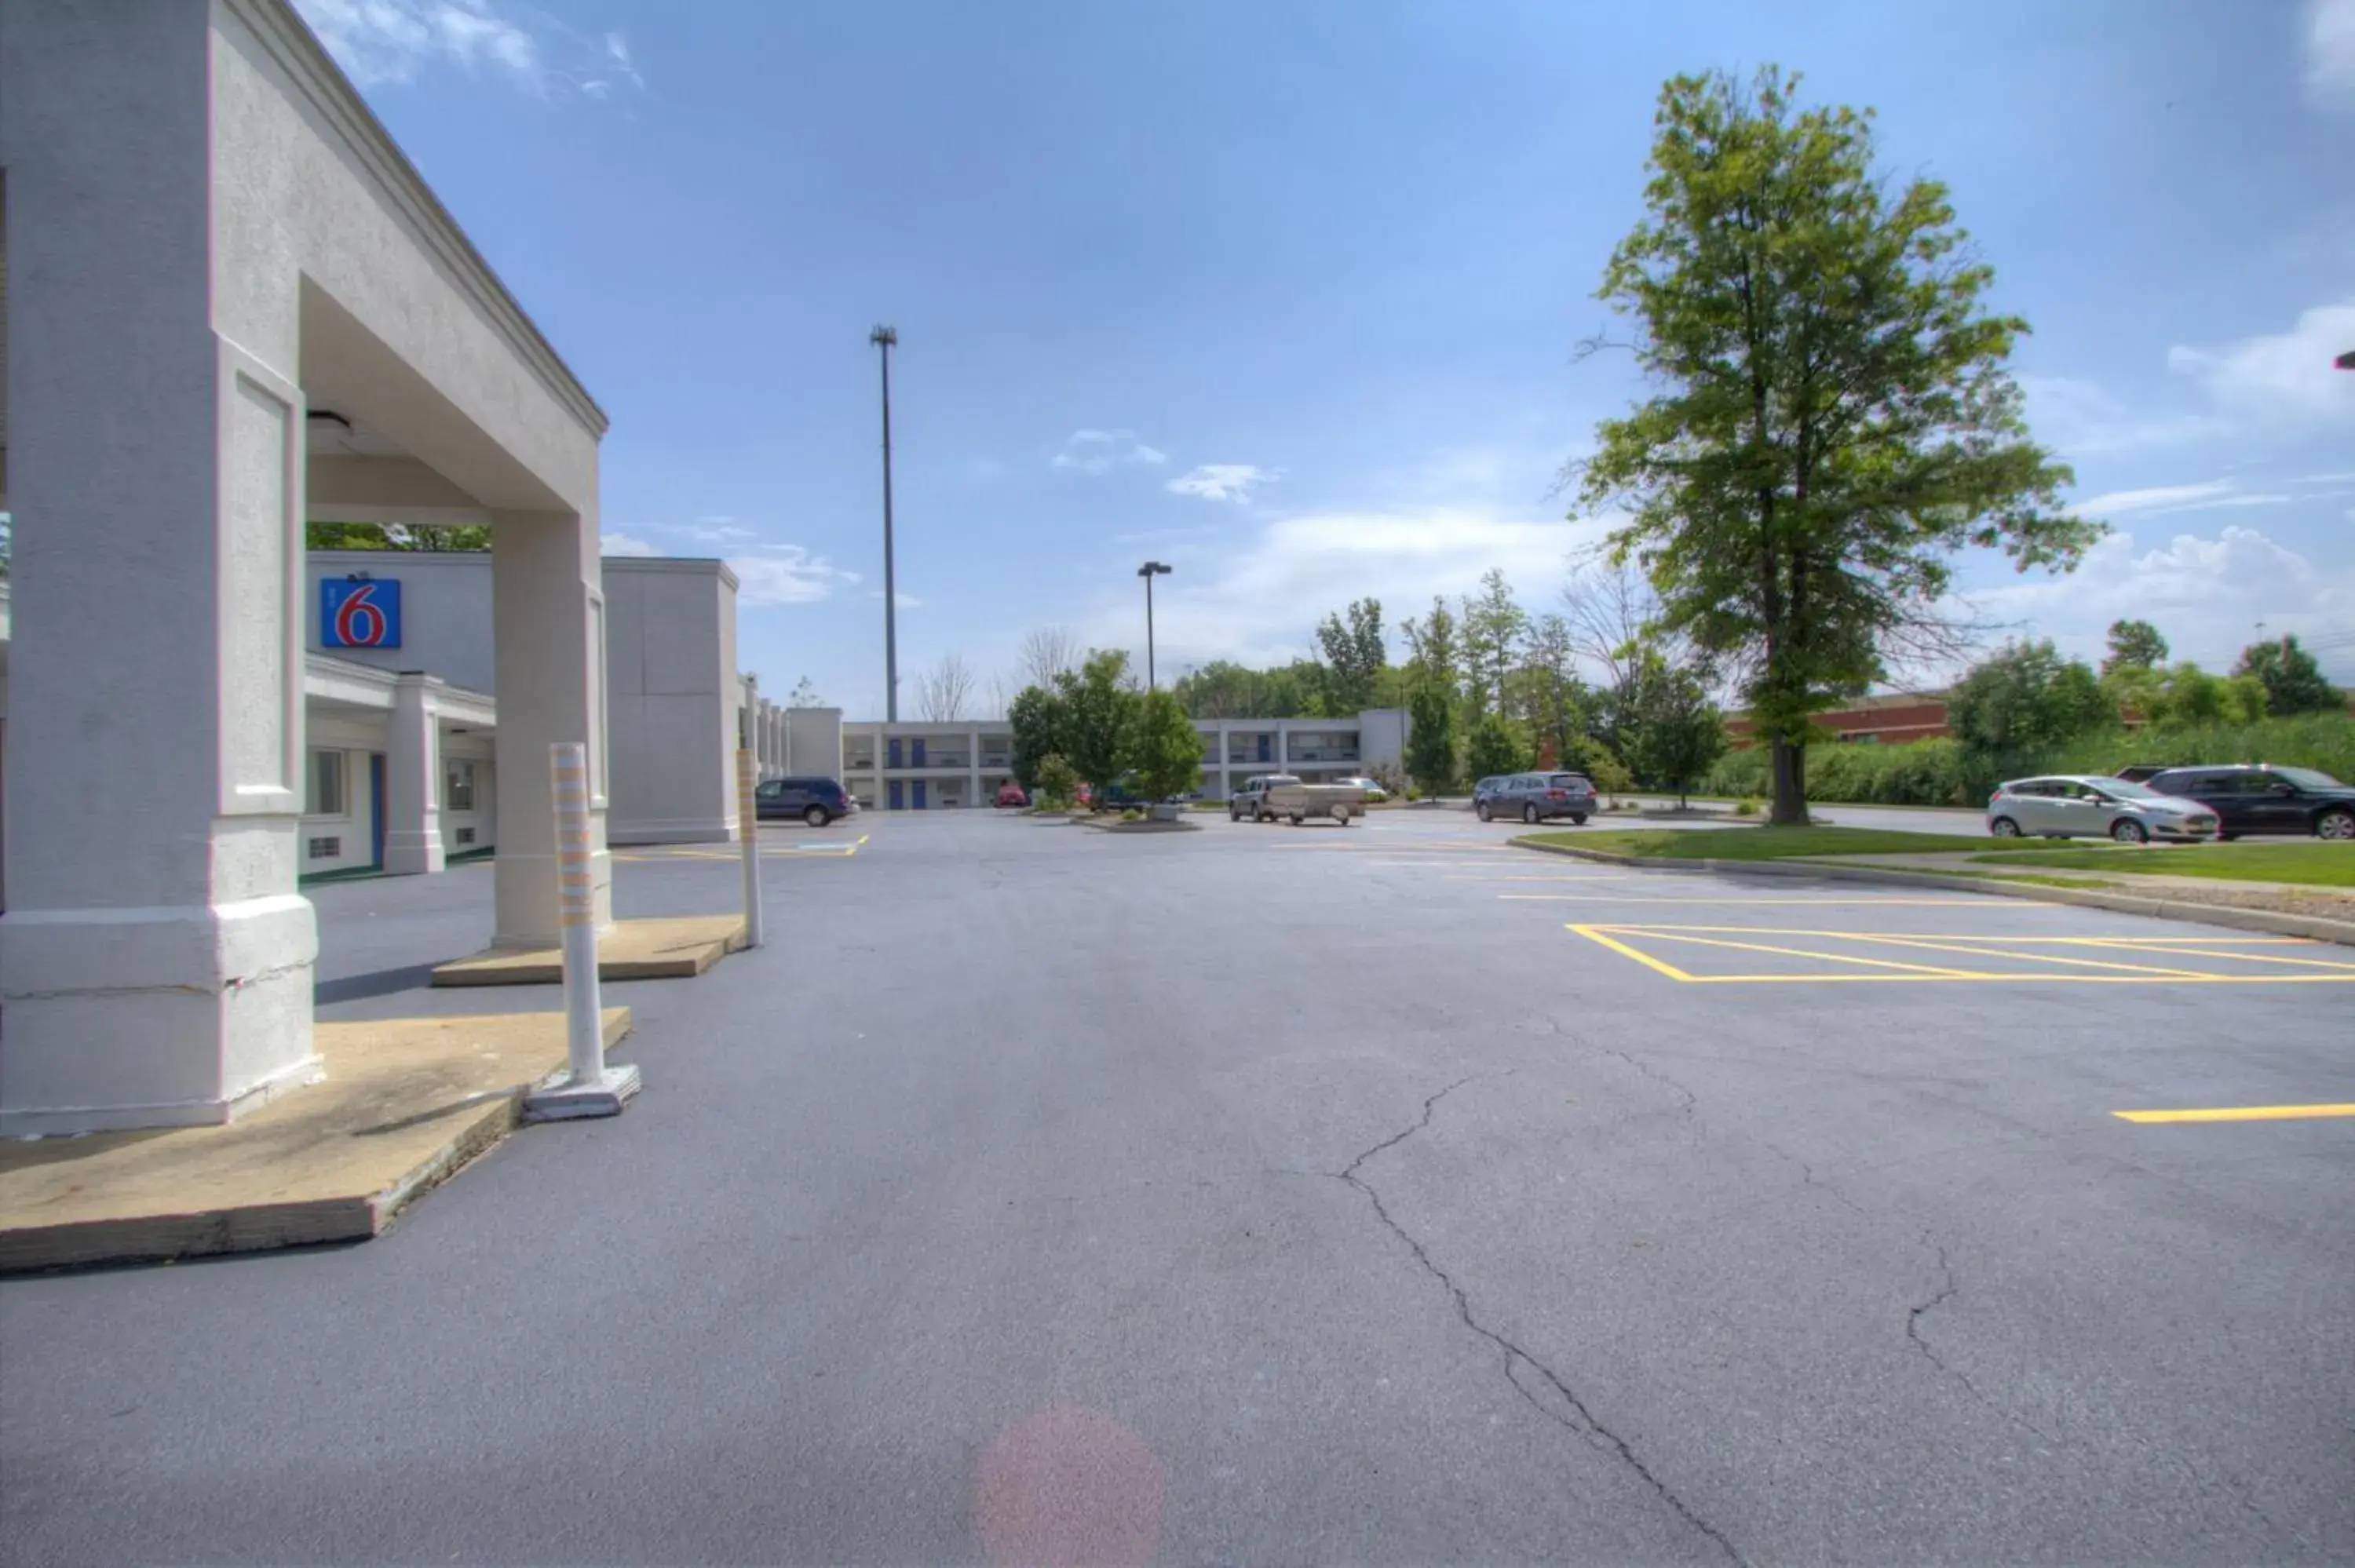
{"type": "Point", "coordinates": [2310, 862]}
{"type": "Point", "coordinates": [1759, 843]}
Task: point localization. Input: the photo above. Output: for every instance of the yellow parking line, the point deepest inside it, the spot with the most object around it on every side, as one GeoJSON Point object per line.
{"type": "Point", "coordinates": [1941, 971]}
{"type": "Point", "coordinates": [1649, 962]}
{"type": "Point", "coordinates": [2236, 1113]}
{"type": "Point", "coordinates": [1929, 945]}
{"type": "Point", "coordinates": [2247, 958]}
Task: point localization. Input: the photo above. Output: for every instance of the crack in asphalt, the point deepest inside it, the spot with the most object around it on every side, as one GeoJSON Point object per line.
{"type": "Point", "coordinates": [1579, 1421]}
{"type": "Point", "coordinates": [1947, 1290]}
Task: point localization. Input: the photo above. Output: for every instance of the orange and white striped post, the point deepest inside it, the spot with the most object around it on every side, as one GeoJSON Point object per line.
{"type": "Point", "coordinates": [748, 832]}
{"type": "Point", "coordinates": [590, 1087]}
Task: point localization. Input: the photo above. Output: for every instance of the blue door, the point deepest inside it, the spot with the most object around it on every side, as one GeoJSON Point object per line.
{"type": "Point", "coordinates": [920, 783]}
{"type": "Point", "coordinates": [916, 744]}
{"type": "Point", "coordinates": [376, 810]}
{"type": "Point", "coordinates": [1263, 748]}
{"type": "Point", "coordinates": [896, 803]}
{"type": "Point", "coordinates": [891, 752]}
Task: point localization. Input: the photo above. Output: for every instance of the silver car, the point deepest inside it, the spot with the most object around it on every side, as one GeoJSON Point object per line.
{"type": "Point", "coordinates": [2091, 806]}
{"type": "Point", "coordinates": [1534, 797]}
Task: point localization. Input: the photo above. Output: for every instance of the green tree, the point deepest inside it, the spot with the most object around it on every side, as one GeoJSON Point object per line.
{"type": "Point", "coordinates": [1545, 693]}
{"type": "Point", "coordinates": [1355, 656]}
{"type": "Point", "coordinates": [423, 537]}
{"type": "Point", "coordinates": [1835, 418]}
{"type": "Point", "coordinates": [1037, 717]}
{"type": "Point", "coordinates": [1436, 651]}
{"type": "Point", "coordinates": [1098, 705]}
{"type": "Point", "coordinates": [2292, 680]}
{"type": "Point", "coordinates": [1494, 746]}
{"type": "Point", "coordinates": [1491, 629]}
{"type": "Point", "coordinates": [2135, 645]}
{"type": "Point", "coordinates": [1431, 739]}
{"type": "Point", "coordinates": [1162, 750]}
{"type": "Point", "coordinates": [1057, 782]}
{"type": "Point", "coordinates": [1678, 732]}
{"type": "Point", "coordinates": [2020, 706]}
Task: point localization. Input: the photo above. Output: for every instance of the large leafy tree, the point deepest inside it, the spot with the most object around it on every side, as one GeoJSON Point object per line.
{"type": "Point", "coordinates": [1162, 752]}
{"type": "Point", "coordinates": [1546, 692]}
{"type": "Point", "coordinates": [1437, 653]}
{"type": "Point", "coordinates": [1099, 704]}
{"type": "Point", "coordinates": [1832, 418]}
{"type": "Point", "coordinates": [2016, 707]}
{"type": "Point", "coordinates": [2292, 680]}
{"type": "Point", "coordinates": [1355, 656]}
{"type": "Point", "coordinates": [2135, 645]}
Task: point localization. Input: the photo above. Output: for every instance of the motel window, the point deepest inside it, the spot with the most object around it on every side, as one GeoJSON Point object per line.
{"type": "Point", "coordinates": [327, 785]}
{"type": "Point", "coordinates": [458, 784]}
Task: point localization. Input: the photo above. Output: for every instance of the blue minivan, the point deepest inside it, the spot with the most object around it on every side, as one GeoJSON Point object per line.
{"type": "Point", "coordinates": [816, 801]}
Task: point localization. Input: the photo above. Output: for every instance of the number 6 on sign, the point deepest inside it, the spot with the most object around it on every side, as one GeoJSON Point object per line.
{"type": "Point", "coordinates": [359, 613]}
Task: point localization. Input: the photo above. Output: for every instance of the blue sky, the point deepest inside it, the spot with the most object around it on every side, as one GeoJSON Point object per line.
{"type": "Point", "coordinates": [1287, 294]}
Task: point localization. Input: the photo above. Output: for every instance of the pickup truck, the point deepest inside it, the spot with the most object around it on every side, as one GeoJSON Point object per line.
{"type": "Point", "coordinates": [1264, 797]}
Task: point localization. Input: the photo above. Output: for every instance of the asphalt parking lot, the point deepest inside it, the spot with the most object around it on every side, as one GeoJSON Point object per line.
{"type": "Point", "coordinates": [1260, 1193]}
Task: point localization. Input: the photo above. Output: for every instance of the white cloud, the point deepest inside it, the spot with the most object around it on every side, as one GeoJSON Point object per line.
{"type": "Point", "coordinates": [2205, 594]}
{"type": "Point", "coordinates": [2281, 380]}
{"type": "Point", "coordinates": [2078, 419]}
{"type": "Point", "coordinates": [786, 574]}
{"type": "Point", "coordinates": [395, 40]}
{"type": "Point", "coordinates": [1258, 600]}
{"type": "Point", "coordinates": [1223, 480]}
{"type": "Point", "coordinates": [624, 545]}
{"type": "Point", "coordinates": [901, 598]}
{"type": "Point", "coordinates": [1101, 451]}
{"type": "Point", "coordinates": [2331, 52]}
{"type": "Point", "coordinates": [2163, 498]}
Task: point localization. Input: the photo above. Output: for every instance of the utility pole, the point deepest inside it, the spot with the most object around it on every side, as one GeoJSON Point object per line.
{"type": "Point", "coordinates": [1150, 570]}
{"type": "Point", "coordinates": [885, 339]}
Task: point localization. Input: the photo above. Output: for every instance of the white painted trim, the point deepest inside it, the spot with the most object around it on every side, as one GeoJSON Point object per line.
{"type": "Point", "coordinates": [296, 51]}
{"type": "Point", "coordinates": [235, 365]}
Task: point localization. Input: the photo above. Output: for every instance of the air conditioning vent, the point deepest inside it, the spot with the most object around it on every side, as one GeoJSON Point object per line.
{"type": "Point", "coordinates": [326, 849]}
{"type": "Point", "coordinates": [465, 835]}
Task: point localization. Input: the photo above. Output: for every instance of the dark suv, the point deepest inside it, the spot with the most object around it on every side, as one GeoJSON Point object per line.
{"type": "Point", "coordinates": [2266, 799]}
{"type": "Point", "coordinates": [816, 801]}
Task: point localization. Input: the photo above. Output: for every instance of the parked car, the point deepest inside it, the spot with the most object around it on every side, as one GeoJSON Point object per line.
{"type": "Point", "coordinates": [1250, 800]}
{"type": "Point", "coordinates": [2266, 799]}
{"type": "Point", "coordinates": [816, 801]}
{"type": "Point", "coordinates": [1282, 796]}
{"type": "Point", "coordinates": [2094, 806]}
{"type": "Point", "coordinates": [1010, 794]}
{"type": "Point", "coordinates": [1534, 797]}
{"type": "Point", "coordinates": [1371, 788]}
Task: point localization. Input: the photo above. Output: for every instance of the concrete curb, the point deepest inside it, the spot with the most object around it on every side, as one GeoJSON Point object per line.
{"type": "Point", "coordinates": [2315, 928]}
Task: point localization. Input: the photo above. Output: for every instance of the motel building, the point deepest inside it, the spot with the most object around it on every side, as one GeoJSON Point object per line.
{"type": "Point", "coordinates": [233, 307]}
{"type": "Point", "coordinates": [939, 767]}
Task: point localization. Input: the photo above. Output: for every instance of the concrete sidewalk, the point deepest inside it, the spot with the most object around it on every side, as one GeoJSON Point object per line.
{"type": "Point", "coordinates": [405, 1103]}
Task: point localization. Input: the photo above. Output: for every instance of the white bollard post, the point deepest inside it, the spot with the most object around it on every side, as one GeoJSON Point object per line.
{"type": "Point", "coordinates": [588, 1087]}
{"type": "Point", "coordinates": [748, 830]}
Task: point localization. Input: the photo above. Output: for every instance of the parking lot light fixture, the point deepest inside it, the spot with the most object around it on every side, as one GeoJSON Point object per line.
{"type": "Point", "coordinates": [1150, 570]}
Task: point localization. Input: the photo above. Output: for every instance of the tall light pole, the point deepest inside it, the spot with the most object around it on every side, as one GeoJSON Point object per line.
{"type": "Point", "coordinates": [885, 339]}
{"type": "Point", "coordinates": [1150, 570]}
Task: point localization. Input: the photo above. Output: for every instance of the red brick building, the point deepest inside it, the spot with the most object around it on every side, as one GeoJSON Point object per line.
{"type": "Point", "coordinates": [1882, 721]}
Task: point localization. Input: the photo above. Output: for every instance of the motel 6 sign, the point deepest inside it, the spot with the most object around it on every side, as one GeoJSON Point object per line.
{"type": "Point", "coordinates": [359, 612]}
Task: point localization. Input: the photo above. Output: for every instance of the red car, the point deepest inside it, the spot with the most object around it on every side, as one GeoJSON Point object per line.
{"type": "Point", "coordinates": [1010, 794]}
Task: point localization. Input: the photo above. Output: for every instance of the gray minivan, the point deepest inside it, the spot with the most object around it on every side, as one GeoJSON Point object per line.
{"type": "Point", "coordinates": [1534, 797]}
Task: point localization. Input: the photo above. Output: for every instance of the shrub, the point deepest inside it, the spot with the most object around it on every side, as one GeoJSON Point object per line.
{"type": "Point", "coordinates": [1057, 782]}
{"type": "Point", "coordinates": [1746, 807]}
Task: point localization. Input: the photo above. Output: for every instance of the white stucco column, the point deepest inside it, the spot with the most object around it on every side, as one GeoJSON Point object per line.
{"type": "Point", "coordinates": [972, 768]}
{"type": "Point", "coordinates": [412, 777]}
{"type": "Point", "coordinates": [155, 960]}
{"type": "Point", "coordinates": [548, 615]}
